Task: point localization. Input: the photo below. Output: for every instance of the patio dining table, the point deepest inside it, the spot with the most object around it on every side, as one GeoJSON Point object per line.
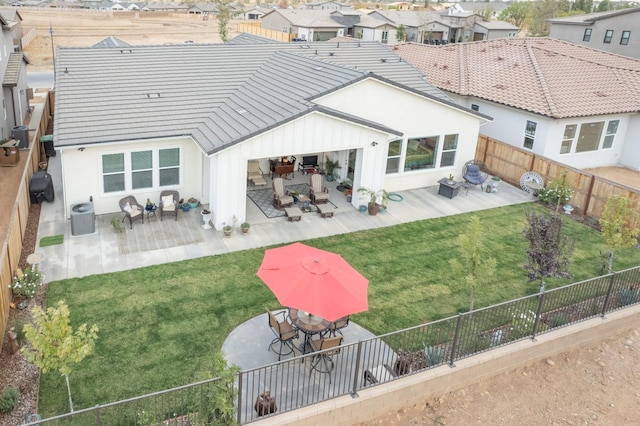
{"type": "Point", "coordinates": [309, 324]}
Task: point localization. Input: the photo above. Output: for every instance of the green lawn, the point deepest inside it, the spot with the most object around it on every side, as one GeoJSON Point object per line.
{"type": "Point", "coordinates": [159, 325]}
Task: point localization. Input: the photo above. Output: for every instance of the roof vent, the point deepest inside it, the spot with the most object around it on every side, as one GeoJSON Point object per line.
{"type": "Point", "coordinates": [242, 111]}
{"type": "Point", "coordinates": [445, 67]}
{"type": "Point", "coordinates": [499, 86]}
{"type": "Point", "coordinates": [126, 51]}
{"type": "Point", "coordinates": [500, 58]}
{"type": "Point", "coordinates": [331, 53]}
{"type": "Point", "coordinates": [153, 95]}
{"type": "Point", "coordinates": [601, 94]}
{"type": "Point", "coordinates": [318, 68]}
{"type": "Point", "coordinates": [383, 59]}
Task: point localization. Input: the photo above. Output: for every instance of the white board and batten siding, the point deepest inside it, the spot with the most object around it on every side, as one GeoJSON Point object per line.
{"type": "Point", "coordinates": [415, 116]}
{"type": "Point", "coordinates": [311, 134]}
{"type": "Point", "coordinates": [84, 179]}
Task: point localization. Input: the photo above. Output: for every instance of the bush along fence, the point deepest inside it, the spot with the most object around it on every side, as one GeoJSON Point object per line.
{"type": "Point", "coordinates": [313, 378]}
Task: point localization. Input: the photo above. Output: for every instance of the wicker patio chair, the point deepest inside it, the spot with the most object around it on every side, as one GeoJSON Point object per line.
{"type": "Point", "coordinates": [169, 203]}
{"type": "Point", "coordinates": [132, 209]}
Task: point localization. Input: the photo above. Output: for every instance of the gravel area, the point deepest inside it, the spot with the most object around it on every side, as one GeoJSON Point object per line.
{"type": "Point", "coordinates": [14, 369]}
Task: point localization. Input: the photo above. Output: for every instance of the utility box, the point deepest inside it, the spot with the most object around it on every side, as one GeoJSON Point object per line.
{"type": "Point", "coordinates": [9, 153]}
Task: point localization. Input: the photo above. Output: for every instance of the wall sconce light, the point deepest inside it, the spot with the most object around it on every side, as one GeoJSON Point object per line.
{"type": "Point", "coordinates": [81, 148]}
{"type": "Point", "coordinates": [374, 143]}
{"type": "Point", "coordinates": [22, 91]}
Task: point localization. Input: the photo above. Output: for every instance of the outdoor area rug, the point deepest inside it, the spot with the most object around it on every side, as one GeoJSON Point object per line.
{"type": "Point", "coordinates": [50, 241]}
{"type": "Point", "coordinates": [263, 198]}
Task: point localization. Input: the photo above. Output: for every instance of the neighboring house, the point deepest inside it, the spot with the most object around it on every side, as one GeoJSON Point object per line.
{"type": "Point", "coordinates": [111, 42]}
{"type": "Point", "coordinates": [616, 31]}
{"type": "Point", "coordinates": [311, 25]}
{"type": "Point", "coordinates": [482, 8]}
{"type": "Point", "coordinates": [13, 66]}
{"type": "Point", "coordinates": [422, 27]}
{"type": "Point", "coordinates": [570, 103]}
{"type": "Point", "coordinates": [165, 7]}
{"type": "Point", "coordinates": [235, 102]}
{"type": "Point", "coordinates": [491, 30]}
{"type": "Point", "coordinates": [325, 5]}
{"type": "Point", "coordinates": [398, 5]}
{"type": "Point", "coordinates": [14, 20]}
{"type": "Point", "coordinates": [371, 29]}
{"type": "Point", "coordinates": [254, 13]}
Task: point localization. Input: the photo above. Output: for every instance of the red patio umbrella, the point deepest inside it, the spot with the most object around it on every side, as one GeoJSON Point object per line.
{"type": "Point", "coordinates": [313, 280]}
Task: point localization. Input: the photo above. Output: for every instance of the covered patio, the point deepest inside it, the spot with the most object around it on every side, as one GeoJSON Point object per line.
{"type": "Point", "coordinates": [156, 242]}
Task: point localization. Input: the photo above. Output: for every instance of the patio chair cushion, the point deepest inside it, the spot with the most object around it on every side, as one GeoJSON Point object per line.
{"type": "Point", "coordinates": [167, 202]}
{"type": "Point", "coordinates": [127, 208]}
{"type": "Point", "coordinates": [474, 175]}
{"type": "Point", "coordinates": [135, 211]}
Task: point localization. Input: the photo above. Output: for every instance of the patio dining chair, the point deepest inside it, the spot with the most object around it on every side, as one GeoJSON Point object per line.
{"type": "Point", "coordinates": [338, 325]}
{"type": "Point", "coordinates": [325, 348]}
{"type": "Point", "coordinates": [132, 209]}
{"type": "Point", "coordinates": [281, 197]}
{"type": "Point", "coordinates": [284, 331]}
{"type": "Point", "coordinates": [169, 203]}
{"type": "Point", "coordinates": [319, 193]}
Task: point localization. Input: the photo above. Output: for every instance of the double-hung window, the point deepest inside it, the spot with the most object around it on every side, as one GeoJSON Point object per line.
{"type": "Point", "coordinates": [608, 36]}
{"type": "Point", "coordinates": [612, 129]}
{"type": "Point", "coordinates": [393, 156]}
{"type": "Point", "coordinates": [530, 134]}
{"type": "Point", "coordinates": [449, 148]}
{"type": "Point", "coordinates": [587, 35]}
{"type": "Point", "coordinates": [567, 138]}
{"type": "Point", "coordinates": [113, 173]}
{"type": "Point", "coordinates": [624, 40]}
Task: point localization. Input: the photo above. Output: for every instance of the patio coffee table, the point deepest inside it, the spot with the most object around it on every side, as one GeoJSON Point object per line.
{"type": "Point", "coordinates": [307, 323]}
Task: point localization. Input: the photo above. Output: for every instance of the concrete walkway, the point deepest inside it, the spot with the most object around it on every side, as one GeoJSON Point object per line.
{"type": "Point", "coordinates": [156, 242]}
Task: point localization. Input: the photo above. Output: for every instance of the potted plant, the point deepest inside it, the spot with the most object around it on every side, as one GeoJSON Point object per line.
{"type": "Point", "coordinates": [117, 224]}
{"type": "Point", "coordinates": [193, 202]}
{"type": "Point", "coordinates": [244, 226]}
{"type": "Point", "coordinates": [495, 182]}
{"type": "Point", "coordinates": [206, 218]}
{"type": "Point", "coordinates": [227, 229]}
{"type": "Point", "coordinates": [330, 166]}
{"type": "Point", "coordinates": [376, 199]}
{"type": "Point", "coordinates": [450, 179]}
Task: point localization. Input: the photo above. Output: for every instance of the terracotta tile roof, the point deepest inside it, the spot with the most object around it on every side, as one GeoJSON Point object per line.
{"type": "Point", "coordinates": [546, 76]}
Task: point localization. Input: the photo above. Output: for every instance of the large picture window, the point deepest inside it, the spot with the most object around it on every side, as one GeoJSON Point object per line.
{"type": "Point", "coordinates": [393, 156]}
{"type": "Point", "coordinates": [138, 170]}
{"type": "Point", "coordinates": [421, 153]}
{"type": "Point", "coordinates": [589, 138]}
{"type": "Point", "coordinates": [529, 134]}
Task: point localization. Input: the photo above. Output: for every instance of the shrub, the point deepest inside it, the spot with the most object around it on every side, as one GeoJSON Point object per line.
{"type": "Point", "coordinates": [433, 355]}
{"type": "Point", "coordinates": [628, 296]}
{"type": "Point", "coordinates": [9, 399]}
{"type": "Point", "coordinates": [27, 283]}
{"type": "Point", "coordinates": [558, 320]}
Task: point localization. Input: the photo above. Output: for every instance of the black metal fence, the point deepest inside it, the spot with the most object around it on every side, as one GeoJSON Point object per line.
{"type": "Point", "coordinates": [312, 378]}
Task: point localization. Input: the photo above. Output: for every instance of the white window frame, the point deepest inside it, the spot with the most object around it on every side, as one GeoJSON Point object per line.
{"type": "Point", "coordinates": [128, 171]}
{"type": "Point", "coordinates": [530, 133]}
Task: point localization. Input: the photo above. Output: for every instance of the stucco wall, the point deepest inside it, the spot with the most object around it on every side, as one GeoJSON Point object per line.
{"type": "Point", "coordinates": [628, 22]}
{"type": "Point", "coordinates": [415, 389]}
{"type": "Point", "coordinates": [509, 125]}
{"type": "Point", "coordinates": [84, 179]}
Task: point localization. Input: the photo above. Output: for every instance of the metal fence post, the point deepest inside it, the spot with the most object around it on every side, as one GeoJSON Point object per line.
{"type": "Point", "coordinates": [454, 345]}
{"type": "Point", "coordinates": [538, 312]}
{"type": "Point", "coordinates": [239, 417]}
{"type": "Point", "coordinates": [97, 414]}
{"type": "Point", "coordinates": [354, 390]}
{"type": "Point", "coordinates": [608, 296]}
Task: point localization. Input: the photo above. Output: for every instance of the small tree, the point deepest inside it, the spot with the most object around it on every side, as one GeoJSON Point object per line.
{"type": "Point", "coordinates": [224, 16]}
{"type": "Point", "coordinates": [618, 223]}
{"type": "Point", "coordinates": [401, 33]}
{"type": "Point", "coordinates": [473, 264]}
{"type": "Point", "coordinates": [218, 405]}
{"type": "Point", "coordinates": [53, 345]}
{"type": "Point", "coordinates": [549, 250]}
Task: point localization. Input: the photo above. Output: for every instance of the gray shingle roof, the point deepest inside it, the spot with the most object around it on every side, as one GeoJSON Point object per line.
{"type": "Point", "coordinates": [198, 89]}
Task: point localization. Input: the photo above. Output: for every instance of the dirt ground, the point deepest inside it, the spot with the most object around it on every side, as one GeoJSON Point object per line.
{"type": "Point", "coordinates": [595, 385]}
{"type": "Point", "coordinates": [83, 28]}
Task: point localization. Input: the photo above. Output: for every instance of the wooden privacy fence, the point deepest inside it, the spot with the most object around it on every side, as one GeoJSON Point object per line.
{"type": "Point", "coordinates": [255, 29]}
{"type": "Point", "coordinates": [591, 192]}
{"type": "Point", "coordinates": [11, 246]}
